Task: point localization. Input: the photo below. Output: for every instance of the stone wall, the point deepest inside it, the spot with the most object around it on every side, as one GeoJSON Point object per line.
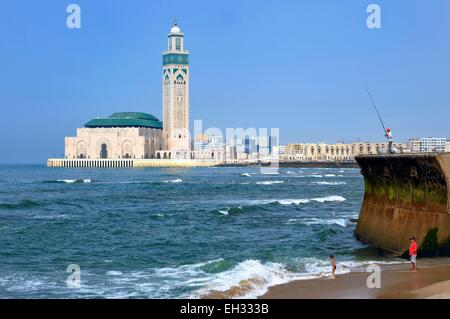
{"type": "Point", "coordinates": [406, 196]}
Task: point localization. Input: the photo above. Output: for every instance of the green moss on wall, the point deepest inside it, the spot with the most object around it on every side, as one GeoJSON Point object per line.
{"type": "Point", "coordinates": [431, 247]}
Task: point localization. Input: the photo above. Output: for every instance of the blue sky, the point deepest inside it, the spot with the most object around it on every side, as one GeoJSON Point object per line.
{"type": "Point", "coordinates": [297, 65]}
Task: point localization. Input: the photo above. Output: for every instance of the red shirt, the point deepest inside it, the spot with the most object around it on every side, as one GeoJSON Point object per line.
{"type": "Point", "coordinates": [413, 249]}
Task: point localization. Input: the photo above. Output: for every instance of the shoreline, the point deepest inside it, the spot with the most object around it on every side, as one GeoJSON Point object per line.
{"type": "Point", "coordinates": [432, 280]}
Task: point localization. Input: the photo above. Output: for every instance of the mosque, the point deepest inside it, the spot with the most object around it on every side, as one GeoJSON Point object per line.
{"type": "Point", "coordinates": [136, 135]}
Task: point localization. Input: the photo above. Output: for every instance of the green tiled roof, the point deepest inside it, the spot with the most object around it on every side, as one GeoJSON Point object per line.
{"type": "Point", "coordinates": [126, 119]}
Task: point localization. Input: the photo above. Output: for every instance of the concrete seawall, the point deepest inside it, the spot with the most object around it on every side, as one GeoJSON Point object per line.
{"type": "Point", "coordinates": [406, 195]}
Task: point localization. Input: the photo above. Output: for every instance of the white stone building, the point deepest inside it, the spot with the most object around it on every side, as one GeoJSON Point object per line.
{"type": "Point", "coordinates": [122, 135]}
{"type": "Point", "coordinates": [427, 144]}
{"type": "Point", "coordinates": [336, 152]}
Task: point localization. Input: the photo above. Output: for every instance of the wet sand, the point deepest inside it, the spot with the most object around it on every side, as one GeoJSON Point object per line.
{"type": "Point", "coordinates": [399, 282]}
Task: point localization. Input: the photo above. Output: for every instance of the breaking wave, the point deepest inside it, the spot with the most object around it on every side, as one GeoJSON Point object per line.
{"type": "Point", "coordinates": [269, 182]}
{"type": "Point", "coordinates": [245, 174]}
{"type": "Point", "coordinates": [329, 183]}
{"type": "Point", "coordinates": [174, 181]}
{"type": "Point", "coordinates": [270, 172]}
{"type": "Point", "coordinates": [227, 211]}
{"type": "Point", "coordinates": [252, 278]}
{"type": "Point", "coordinates": [72, 181]}
{"type": "Point", "coordinates": [320, 221]}
{"type": "Point", "coordinates": [259, 204]}
{"type": "Point", "coordinates": [333, 198]}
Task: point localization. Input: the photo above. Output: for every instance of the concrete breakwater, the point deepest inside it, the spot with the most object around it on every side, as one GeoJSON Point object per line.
{"type": "Point", "coordinates": [406, 195]}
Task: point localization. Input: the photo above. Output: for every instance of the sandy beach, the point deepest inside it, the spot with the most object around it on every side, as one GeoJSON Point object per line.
{"type": "Point", "coordinates": [432, 280]}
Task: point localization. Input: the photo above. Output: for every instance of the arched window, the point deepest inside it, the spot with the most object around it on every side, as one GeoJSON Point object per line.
{"type": "Point", "coordinates": [104, 151]}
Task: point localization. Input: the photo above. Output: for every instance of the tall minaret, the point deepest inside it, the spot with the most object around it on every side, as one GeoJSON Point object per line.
{"type": "Point", "coordinates": [176, 93]}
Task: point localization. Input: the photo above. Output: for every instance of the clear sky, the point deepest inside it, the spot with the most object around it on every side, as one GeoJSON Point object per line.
{"type": "Point", "coordinates": [297, 65]}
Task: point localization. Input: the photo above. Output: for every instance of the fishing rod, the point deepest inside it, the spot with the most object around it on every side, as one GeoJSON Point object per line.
{"type": "Point", "coordinates": [387, 132]}
{"type": "Point", "coordinates": [376, 109]}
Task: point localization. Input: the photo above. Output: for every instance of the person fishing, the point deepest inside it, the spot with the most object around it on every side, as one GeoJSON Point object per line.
{"type": "Point", "coordinates": [390, 140]}
{"type": "Point", "coordinates": [387, 131]}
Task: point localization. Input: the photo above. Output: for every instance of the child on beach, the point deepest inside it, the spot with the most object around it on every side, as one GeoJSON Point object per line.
{"type": "Point", "coordinates": [333, 267]}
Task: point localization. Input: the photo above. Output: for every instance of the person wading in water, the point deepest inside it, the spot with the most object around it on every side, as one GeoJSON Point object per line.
{"type": "Point", "coordinates": [333, 267]}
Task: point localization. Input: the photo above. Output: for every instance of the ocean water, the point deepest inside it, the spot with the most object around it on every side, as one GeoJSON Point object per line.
{"type": "Point", "coordinates": [173, 233]}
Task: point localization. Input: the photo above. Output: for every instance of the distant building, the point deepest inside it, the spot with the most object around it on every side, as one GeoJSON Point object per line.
{"type": "Point", "coordinates": [279, 150]}
{"type": "Point", "coordinates": [447, 146]}
{"type": "Point", "coordinates": [208, 147]}
{"type": "Point", "coordinates": [427, 144]}
{"type": "Point", "coordinates": [336, 152]}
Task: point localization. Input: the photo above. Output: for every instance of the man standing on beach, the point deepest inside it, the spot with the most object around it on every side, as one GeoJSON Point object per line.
{"type": "Point", "coordinates": [413, 253]}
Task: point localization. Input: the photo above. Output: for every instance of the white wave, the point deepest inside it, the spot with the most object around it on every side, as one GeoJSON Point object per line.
{"type": "Point", "coordinates": [330, 175]}
{"type": "Point", "coordinates": [313, 175]}
{"type": "Point", "coordinates": [329, 183]}
{"type": "Point", "coordinates": [332, 198]}
{"type": "Point", "coordinates": [245, 174]}
{"type": "Point", "coordinates": [292, 201]}
{"type": "Point", "coordinates": [289, 172]}
{"type": "Point", "coordinates": [252, 278]}
{"type": "Point", "coordinates": [269, 172]}
{"type": "Point", "coordinates": [114, 273]}
{"type": "Point", "coordinates": [289, 201]}
{"type": "Point", "coordinates": [228, 210]}
{"type": "Point", "coordinates": [71, 181]}
{"type": "Point", "coordinates": [174, 181]}
{"type": "Point", "coordinates": [319, 221]}
{"type": "Point", "coordinates": [269, 182]}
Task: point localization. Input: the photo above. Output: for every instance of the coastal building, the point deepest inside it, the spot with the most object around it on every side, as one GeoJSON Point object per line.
{"type": "Point", "coordinates": [427, 144]}
{"type": "Point", "coordinates": [137, 135]}
{"type": "Point", "coordinates": [336, 152]}
{"type": "Point", "coordinates": [447, 146]}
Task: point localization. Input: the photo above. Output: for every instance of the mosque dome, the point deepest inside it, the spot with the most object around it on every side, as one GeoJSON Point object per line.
{"type": "Point", "coordinates": [126, 119]}
{"type": "Point", "coordinates": [175, 29]}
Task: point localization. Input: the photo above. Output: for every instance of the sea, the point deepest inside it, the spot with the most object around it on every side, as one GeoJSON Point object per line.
{"type": "Point", "coordinates": [226, 232]}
